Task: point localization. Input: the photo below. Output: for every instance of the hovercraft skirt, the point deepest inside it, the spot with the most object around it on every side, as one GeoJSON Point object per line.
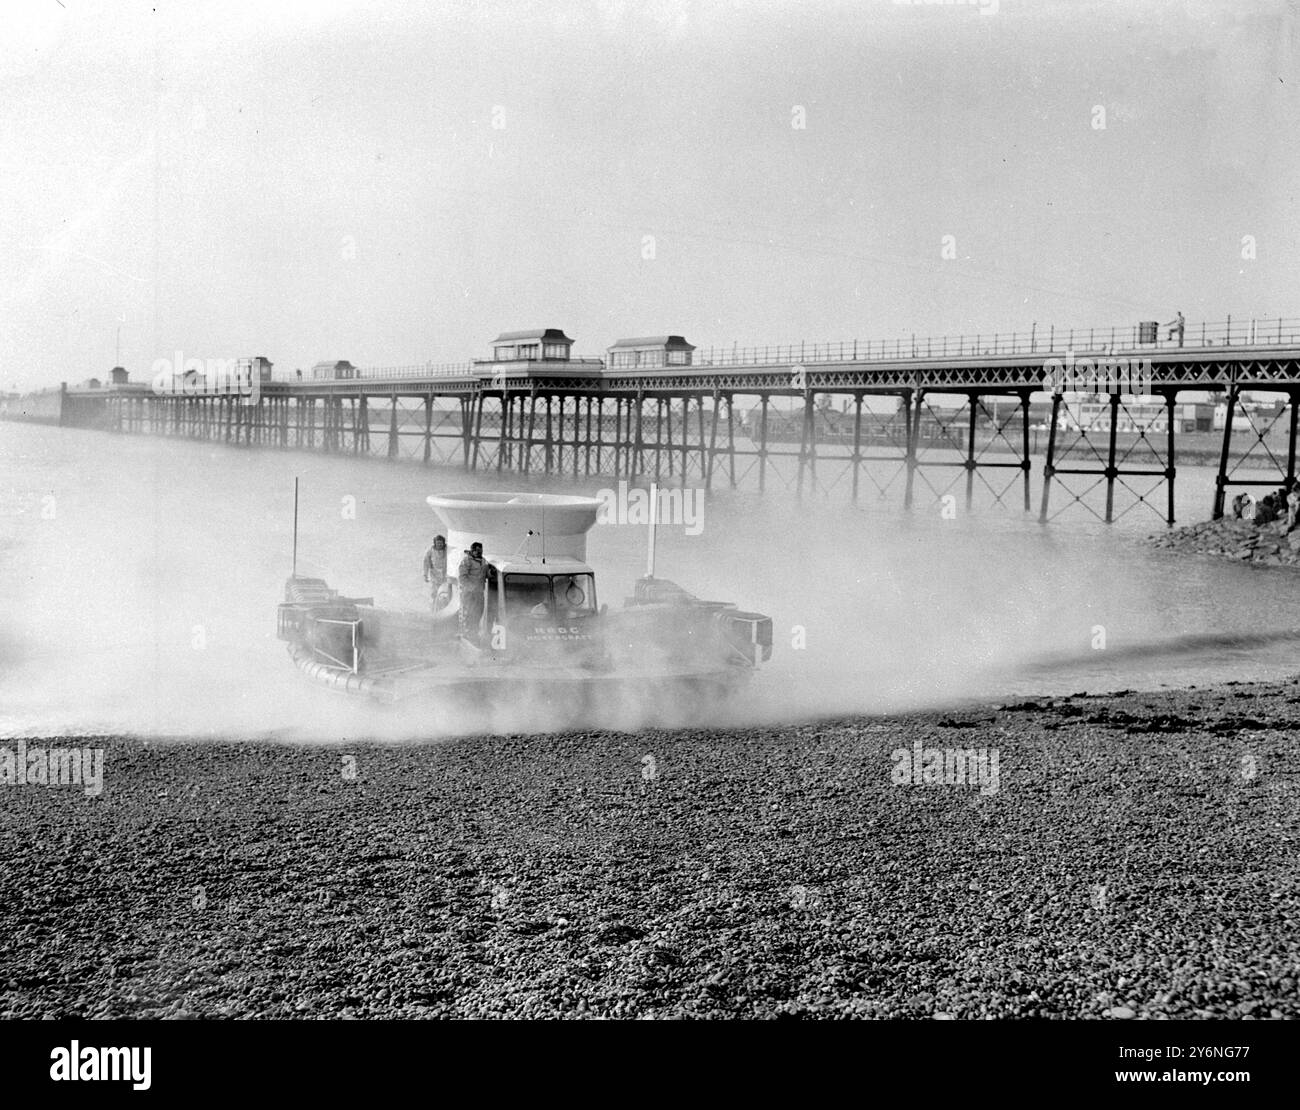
{"type": "Point", "coordinates": [338, 679]}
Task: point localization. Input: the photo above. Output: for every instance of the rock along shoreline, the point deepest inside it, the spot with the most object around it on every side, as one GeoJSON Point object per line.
{"type": "Point", "coordinates": [1266, 544]}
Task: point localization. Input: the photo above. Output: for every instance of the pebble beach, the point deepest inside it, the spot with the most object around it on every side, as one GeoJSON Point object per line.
{"type": "Point", "coordinates": [1137, 857]}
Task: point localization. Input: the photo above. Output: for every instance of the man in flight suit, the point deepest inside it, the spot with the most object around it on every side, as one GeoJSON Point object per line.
{"type": "Point", "coordinates": [472, 577]}
{"type": "Point", "coordinates": [435, 573]}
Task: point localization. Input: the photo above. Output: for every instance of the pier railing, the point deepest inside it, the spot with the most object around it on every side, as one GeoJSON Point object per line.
{"type": "Point", "coordinates": [1206, 335]}
{"type": "Point", "coordinates": [394, 373]}
{"type": "Point", "coordinates": [1242, 332]}
{"type": "Point", "coordinates": [426, 370]}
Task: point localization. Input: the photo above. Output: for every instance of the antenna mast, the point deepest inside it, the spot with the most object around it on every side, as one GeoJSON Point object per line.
{"type": "Point", "coordinates": [654, 520]}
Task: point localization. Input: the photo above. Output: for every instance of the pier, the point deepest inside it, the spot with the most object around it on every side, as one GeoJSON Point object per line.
{"type": "Point", "coordinates": [906, 419]}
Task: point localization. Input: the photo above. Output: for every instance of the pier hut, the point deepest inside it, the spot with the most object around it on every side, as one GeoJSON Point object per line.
{"type": "Point", "coordinates": [540, 353]}
{"type": "Point", "coordinates": [651, 351]}
{"type": "Point", "coordinates": [257, 368]}
{"type": "Point", "coordinates": [333, 370]}
{"type": "Point", "coordinates": [538, 345]}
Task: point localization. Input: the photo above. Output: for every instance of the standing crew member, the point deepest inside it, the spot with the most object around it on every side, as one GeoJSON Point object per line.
{"type": "Point", "coordinates": [1176, 326]}
{"type": "Point", "coordinates": [435, 573]}
{"type": "Point", "coordinates": [472, 577]}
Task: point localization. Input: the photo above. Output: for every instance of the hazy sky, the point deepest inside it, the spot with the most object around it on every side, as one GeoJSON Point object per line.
{"type": "Point", "coordinates": [398, 182]}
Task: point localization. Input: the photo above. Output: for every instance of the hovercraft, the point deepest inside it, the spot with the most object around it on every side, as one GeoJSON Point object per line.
{"type": "Point", "coordinates": [543, 630]}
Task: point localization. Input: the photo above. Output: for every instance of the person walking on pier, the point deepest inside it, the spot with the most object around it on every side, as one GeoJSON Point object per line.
{"type": "Point", "coordinates": [435, 573]}
{"type": "Point", "coordinates": [472, 577]}
{"type": "Point", "coordinates": [1176, 325]}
